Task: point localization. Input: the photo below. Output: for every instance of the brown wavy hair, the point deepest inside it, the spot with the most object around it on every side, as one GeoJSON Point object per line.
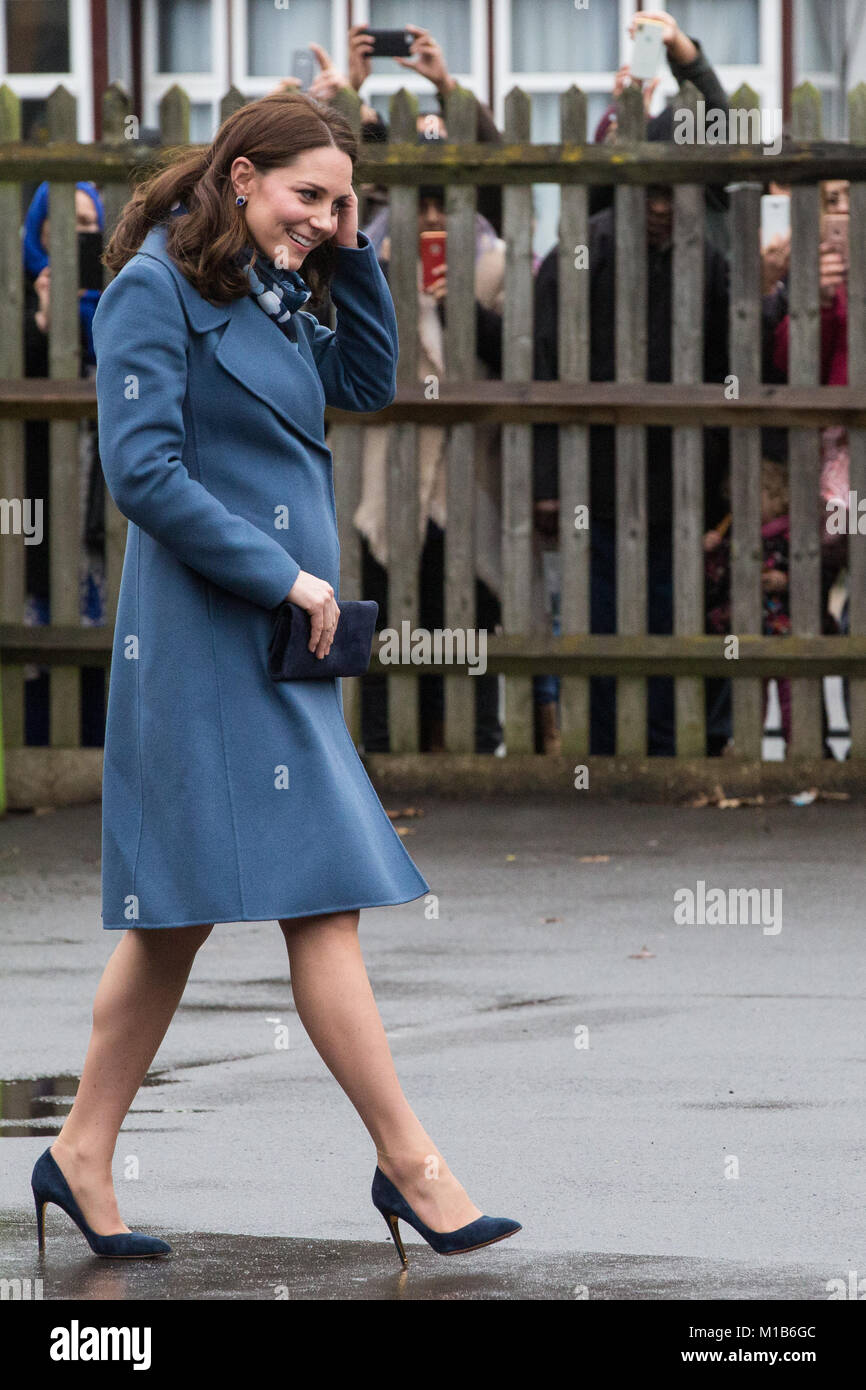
{"type": "Point", "coordinates": [271, 133]}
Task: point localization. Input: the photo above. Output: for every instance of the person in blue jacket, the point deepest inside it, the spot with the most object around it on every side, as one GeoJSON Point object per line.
{"type": "Point", "coordinates": [228, 797]}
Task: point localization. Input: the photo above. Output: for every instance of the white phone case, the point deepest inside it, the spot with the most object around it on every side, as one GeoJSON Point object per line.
{"type": "Point", "coordinates": [648, 45]}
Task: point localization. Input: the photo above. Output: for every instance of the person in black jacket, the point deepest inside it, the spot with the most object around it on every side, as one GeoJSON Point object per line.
{"type": "Point", "coordinates": [688, 63]}
{"type": "Point", "coordinates": [602, 439]}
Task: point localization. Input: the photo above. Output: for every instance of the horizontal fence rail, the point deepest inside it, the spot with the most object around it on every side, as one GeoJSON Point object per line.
{"type": "Point", "coordinates": [465, 405]}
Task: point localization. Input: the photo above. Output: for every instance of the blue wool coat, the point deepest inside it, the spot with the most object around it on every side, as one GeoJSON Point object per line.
{"type": "Point", "coordinates": [228, 797]}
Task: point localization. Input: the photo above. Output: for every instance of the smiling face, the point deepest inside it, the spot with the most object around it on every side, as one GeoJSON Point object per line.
{"type": "Point", "coordinates": [300, 200]}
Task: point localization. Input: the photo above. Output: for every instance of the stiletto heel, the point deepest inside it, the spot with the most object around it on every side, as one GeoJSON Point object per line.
{"type": "Point", "coordinates": [392, 1223]}
{"type": "Point", "coordinates": [484, 1230]}
{"type": "Point", "coordinates": [40, 1223]}
{"type": "Point", "coordinates": [49, 1185]}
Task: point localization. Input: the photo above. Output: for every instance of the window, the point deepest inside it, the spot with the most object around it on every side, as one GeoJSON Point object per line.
{"type": "Point", "coordinates": [37, 36]}
{"type": "Point", "coordinates": [265, 37]}
{"type": "Point", "coordinates": [43, 43]}
{"type": "Point", "coordinates": [183, 34]}
{"type": "Point", "coordinates": [184, 44]}
{"type": "Point", "coordinates": [580, 47]}
{"type": "Point", "coordinates": [568, 39]}
{"type": "Point", "coordinates": [729, 33]}
{"type": "Point", "coordinates": [821, 57]}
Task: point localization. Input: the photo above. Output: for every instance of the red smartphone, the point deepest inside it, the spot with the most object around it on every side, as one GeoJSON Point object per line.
{"type": "Point", "coordinates": [432, 257]}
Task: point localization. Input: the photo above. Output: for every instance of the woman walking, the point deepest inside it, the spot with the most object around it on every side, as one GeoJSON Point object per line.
{"type": "Point", "coordinates": [226, 796]}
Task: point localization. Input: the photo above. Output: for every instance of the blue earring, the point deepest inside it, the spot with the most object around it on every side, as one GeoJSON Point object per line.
{"type": "Point", "coordinates": [240, 200]}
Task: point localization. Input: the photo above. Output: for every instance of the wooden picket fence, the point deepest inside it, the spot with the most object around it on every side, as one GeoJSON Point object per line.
{"type": "Point", "coordinates": [66, 772]}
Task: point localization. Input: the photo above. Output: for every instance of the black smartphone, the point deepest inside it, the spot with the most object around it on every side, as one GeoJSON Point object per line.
{"type": "Point", "coordinates": [90, 268]}
{"type": "Point", "coordinates": [303, 67]}
{"type": "Point", "coordinates": [390, 43]}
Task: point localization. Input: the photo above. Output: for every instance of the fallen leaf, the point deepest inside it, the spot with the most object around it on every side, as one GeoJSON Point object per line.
{"type": "Point", "coordinates": [594, 859]}
{"type": "Point", "coordinates": [643, 954]}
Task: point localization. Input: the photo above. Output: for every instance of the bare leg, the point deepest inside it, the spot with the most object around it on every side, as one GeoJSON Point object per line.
{"type": "Point", "coordinates": [138, 994]}
{"type": "Point", "coordinates": [335, 1003]}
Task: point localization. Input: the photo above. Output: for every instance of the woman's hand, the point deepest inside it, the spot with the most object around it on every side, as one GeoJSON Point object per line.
{"type": "Point", "coordinates": [833, 272]}
{"type": "Point", "coordinates": [439, 287]}
{"type": "Point", "coordinates": [329, 80]}
{"type": "Point", "coordinates": [624, 79]}
{"type": "Point", "coordinates": [316, 597]}
{"type": "Point", "coordinates": [347, 222]}
{"type": "Point", "coordinates": [430, 60]}
{"type": "Point", "coordinates": [360, 47]}
{"type": "Point", "coordinates": [774, 581]}
{"type": "Point", "coordinates": [42, 286]}
{"type": "Point", "coordinates": [775, 259]}
{"type": "Point", "coordinates": [679, 46]}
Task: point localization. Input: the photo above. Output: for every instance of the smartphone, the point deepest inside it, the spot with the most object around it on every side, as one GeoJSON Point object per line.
{"type": "Point", "coordinates": [303, 67]}
{"type": "Point", "coordinates": [775, 216]}
{"type": "Point", "coordinates": [90, 271]}
{"type": "Point", "coordinates": [432, 251]}
{"type": "Point", "coordinates": [390, 43]}
{"type": "Point", "coordinates": [834, 230]}
{"type": "Point", "coordinates": [648, 48]}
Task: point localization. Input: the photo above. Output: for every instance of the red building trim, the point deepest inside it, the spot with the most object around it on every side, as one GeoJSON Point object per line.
{"type": "Point", "coordinates": [99, 50]}
{"type": "Point", "coordinates": [787, 60]}
{"type": "Point", "coordinates": [136, 57]}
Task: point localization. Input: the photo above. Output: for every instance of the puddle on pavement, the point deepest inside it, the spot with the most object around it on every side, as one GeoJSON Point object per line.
{"type": "Point", "coordinates": [38, 1105]}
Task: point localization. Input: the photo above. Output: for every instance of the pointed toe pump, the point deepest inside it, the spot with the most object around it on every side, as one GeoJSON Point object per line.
{"type": "Point", "coordinates": [49, 1185]}
{"type": "Point", "coordinates": [484, 1230]}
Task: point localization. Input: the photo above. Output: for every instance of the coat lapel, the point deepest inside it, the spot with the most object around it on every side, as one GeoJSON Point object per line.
{"type": "Point", "coordinates": [254, 351]}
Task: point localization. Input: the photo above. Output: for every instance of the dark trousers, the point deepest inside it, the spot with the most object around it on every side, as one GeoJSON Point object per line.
{"type": "Point", "coordinates": [374, 707]}
{"type": "Point", "coordinates": [660, 689]}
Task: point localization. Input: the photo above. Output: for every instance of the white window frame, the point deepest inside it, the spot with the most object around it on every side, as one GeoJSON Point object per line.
{"type": "Point", "coordinates": [253, 87]}
{"type": "Point", "coordinates": [538, 83]}
{"type": "Point", "coordinates": [765, 76]}
{"type": "Point", "coordinates": [78, 81]}
{"type": "Point", "coordinates": [828, 82]}
{"type": "Point", "coordinates": [201, 87]}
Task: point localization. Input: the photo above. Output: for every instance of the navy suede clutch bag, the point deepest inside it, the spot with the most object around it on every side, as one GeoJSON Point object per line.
{"type": "Point", "coordinates": [289, 655]}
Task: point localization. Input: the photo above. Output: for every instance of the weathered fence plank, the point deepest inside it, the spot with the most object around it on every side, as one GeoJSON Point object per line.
{"type": "Point", "coordinates": [631, 449]}
{"type": "Point", "coordinates": [688, 445]}
{"type": "Point", "coordinates": [517, 515]}
{"type": "Point", "coordinates": [573, 326]}
{"type": "Point", "coordinates": [746, 546]}
{"type": "Point", "coordinates": [403, 500]}
{"type": "Point", "coordinates": [461, 441]}
{"type": "Point", "coordinates": [64, 360]}
{"type": "Point", "coordinates": [804, 446]}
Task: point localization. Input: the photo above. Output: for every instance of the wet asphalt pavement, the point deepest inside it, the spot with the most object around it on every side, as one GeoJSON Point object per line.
{"type": "Point", "coordinates": [673, 1112]}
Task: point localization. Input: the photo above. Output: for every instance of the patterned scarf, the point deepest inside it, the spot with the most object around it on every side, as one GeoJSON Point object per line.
{"type": "Point", "coordinates": [278, 292]}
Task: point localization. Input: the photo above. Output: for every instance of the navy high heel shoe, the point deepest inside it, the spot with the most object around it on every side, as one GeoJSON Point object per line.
{"type": "Point", "coordinates": [484, 1230]}
{"type": "Point", "coordinates": [49, 1185]}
